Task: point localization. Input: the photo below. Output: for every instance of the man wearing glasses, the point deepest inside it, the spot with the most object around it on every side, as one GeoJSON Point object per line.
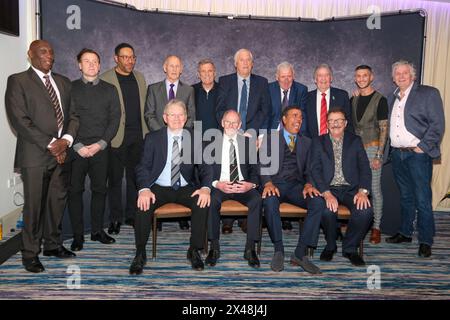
{"type": "Point", "coordinates": [341, 172]}
{"type": "Point", "coordinates": [126, 146]}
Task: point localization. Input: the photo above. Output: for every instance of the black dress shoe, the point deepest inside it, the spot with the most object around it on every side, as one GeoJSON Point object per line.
{"type": "Point", "coordinates": [33, 265]}
{"type": "Point", "coordinates": [354, 258]}
{"type": "Point", "coordinates": [327, 255]}
{"type": "Point", "coordinates": [102, 237]}
{"type": "Point", "coordinates": [424, 250]}
{"type": "Point", "coordinates": [398, 238]}
{"type": "Point", "coordinates": [226, 229]}
{"type": "Point", "coordinates": [60, 252]}
{"type": "Point", "coordinates": [213, 256]}
{"type": "Point", "coordinates": [77, 244]}
{"type": "Point", "coordinates": [252, 258]}
{"type": "Point", "coordinates": [137, 266]}
{"type": "Point", "coordinates": [129, 222]}
{"type": "Point", "coordinates": [286, 225]}
{"type": "Point", "coordinates": [194, 257]}
{"type": "Point", "coordinates": [184, 225]}
{"type": "Point", "coordinates": [114, 227]}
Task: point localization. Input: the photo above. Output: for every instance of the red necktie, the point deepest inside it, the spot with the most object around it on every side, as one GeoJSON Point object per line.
{"type": "Point", "coordinates": [323, 115]}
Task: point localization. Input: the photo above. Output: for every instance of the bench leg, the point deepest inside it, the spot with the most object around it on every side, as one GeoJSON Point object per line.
{"type": "Point", "coordinates": [154, 236]}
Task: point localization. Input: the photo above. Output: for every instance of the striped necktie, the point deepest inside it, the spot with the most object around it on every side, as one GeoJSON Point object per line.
{"type": "Point", "coordinates": [234, 174]}
{"type": "Point", "coordinates": [55, 102]}
{"type": "Point", "coordinates": [176, 161]}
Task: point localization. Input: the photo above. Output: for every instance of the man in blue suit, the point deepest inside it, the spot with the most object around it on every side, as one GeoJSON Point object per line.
{"type": "Point", "coordinates": [324, 98]}
{"type": "Point", "coordinates": [417, 124]}
{"type": "Point", "coordinates": [248, 94]}
{"type": "Point", "coordinates": [286, 92]}
{"type": "Point", "coordinates": [166, 175]}
{"type": "Point", "coordinates": [340, 170]}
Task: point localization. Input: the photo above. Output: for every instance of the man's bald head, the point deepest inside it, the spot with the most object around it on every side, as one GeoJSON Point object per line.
{"type": "Point", "coordinates": [41, 55]}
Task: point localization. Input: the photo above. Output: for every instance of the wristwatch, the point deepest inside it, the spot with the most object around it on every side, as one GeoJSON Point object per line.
{"type": "Point", "coordinates": [365, 191]}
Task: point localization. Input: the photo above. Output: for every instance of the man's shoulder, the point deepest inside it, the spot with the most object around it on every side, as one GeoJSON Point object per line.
{"type": "Point", "coordinates": [61, 78]}
{"type": "Point", "coordinates": [338, 91]}
{"type": "Point", "coordinates": [228, 77]}
{"type": "Point", "coordinates": [274, 85]}
{"type": "Point", "coordinates": [156, 85]}
{"type": "Point", "coordinates": [299, 85]}
{"type": "Point", "coordinates": [259, 79]}
{"type": "Point", "coordinates": [108, 75]}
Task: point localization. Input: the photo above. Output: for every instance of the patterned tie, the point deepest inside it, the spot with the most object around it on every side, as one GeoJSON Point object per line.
{"type": "Point", "coordinates": [243, 104]}
{"type": "Point", "coordinates": [285, 102]}
{"type": "Point", "coordinates": [323, 115]}
{"type": "Point", "coordinates": [171, 92]}
{"type": "Point", "coordinates": [55, 102]}
{"type": "Point", "coordinates": [291, 143]}
{"type": "Point", "coordinates": [175, 168]}
{"type": "Point", "coordinates": [234, 174]}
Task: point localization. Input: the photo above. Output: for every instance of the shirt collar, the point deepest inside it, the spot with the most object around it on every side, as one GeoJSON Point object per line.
{"type": "Point", "coordinates": [287, 134]}
{"type": "Point", "coordinates": [319, 93]}
{"type": "Point", "coordinates": [85, 81]}
{"type": "Point", "coordinates": [175, 83]}
{"type": "Point", "coordinates": [407, 91]}
{"type": "Point", "coordinates": [241, 78]}
{"type": "Point", "coordinates": [41, 74]}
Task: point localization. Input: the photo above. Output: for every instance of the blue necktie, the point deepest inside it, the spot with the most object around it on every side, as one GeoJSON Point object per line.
{"type": "Point", "coordinates": [171, 92]}
{"type": "Point", "coordinates": [243, 105]}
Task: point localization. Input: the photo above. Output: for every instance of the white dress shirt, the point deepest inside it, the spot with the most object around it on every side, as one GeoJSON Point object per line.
{"type": "Point", "coordinates": [225, 167]}
{"type": "Point", "coordinates": [319, 104]}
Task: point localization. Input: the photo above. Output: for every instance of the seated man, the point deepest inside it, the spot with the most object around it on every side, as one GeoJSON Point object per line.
{"type": "Point", "coordinates": [290, 183]}
{"type": "Point", "coordinates": [235, 177]}
{"type": "Point", "coordinates": [341, 172]}
{"type": "Point", "coordinates": [165, 174]}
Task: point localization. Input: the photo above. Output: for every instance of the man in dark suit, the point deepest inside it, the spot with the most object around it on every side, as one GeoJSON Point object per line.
{"type": "Point", "coordinates": [417, 124]}
{"type": "Point", "coordinates": [166, 175]}
{"type": "Point", "coordinates": [324, 98]}
{"type": "Point", "coordinates": [340, 170]}
{"type": "Point", "coordinates": [288, 181]}
{"type": "Point", "coordinates": [39, 108]}
{"type": "Point", "coordinates": [235, 176]}
{"type": "Point", "coordinates": [248, 94]}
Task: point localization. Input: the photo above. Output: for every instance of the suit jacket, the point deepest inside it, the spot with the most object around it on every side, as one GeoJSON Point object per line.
{"type": "Point", "coordinates": [355, 164]}
{"type": "Point", "coordinates": [424, 117]}
{"type": "Point", "coordinates": [258, 108]}
{"type": "Point", "coordinates": [154, 159]}
{"type": "Point", "coordinates": [302, 145]}
{"type": "Point", "coordinates": [339, 98]}
{"type": "Point", "coordinates": [247, 153]}
{"type": "Point", "coordinates": [32, 116]}
{"type": "Point", "coordinates": [157, 100]}
{"type": "Point", "coordinates": [298, 96]}
{"type": "Point", "coordinates": [111, 77]}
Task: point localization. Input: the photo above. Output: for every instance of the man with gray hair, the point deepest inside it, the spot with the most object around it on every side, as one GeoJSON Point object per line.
{"type": "Point", "coordinates": [417, 123]}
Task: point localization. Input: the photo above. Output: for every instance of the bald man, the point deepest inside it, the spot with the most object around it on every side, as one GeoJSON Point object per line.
{"type": "Point", "coordinates": [39, 109]}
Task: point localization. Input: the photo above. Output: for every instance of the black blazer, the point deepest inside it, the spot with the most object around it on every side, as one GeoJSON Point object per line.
{"type": "Point", "coordinates": [302, 145]}
{"type": "Point", "coordinates": [355, 164]}
{"type": "Point", "coordinates": [32, 116]}
{"type": "Point", "coordinates": [339, 98]}
{"type": "Point", "coordinates": [154, 157]}
{"type": "Point", "coordinates": [259, 107]}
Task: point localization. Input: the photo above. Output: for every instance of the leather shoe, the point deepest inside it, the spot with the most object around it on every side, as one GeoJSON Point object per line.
{"type": "Point", "coordinates": [77, 244]}
{"type": "Point", "coordinates": [327, 255]}
{"type": "Point", "coordinates": [213, 256]}
{"type": "Point", "coordinates": [129, 222]}
{"type": "Point", "coordinates": [252, 258]}
{"type": "Point", "coordinates": [114, 227]}
{"type": "Point", "coordinates": [138, 264]}
{"type": "Point", "coordinates": [194, 257]}
{"type": "Point", "coordinates": [60, 252]}
{"type": "Point", "coordinates": [102, 237]}
{"type": "Point", "coordinates": [184, 225]}
{"type": "Point", "coordinates": [375, 236]}
{"type": "Point", "coordinates": [354, 258]}
{"type": "Point", "coordinates": [398, 238]}
{"type": "Point", "coordinates": [226, 229]}
{"type": "Point", "coordinates": [424, 250]}
{"type": "Point", "coordinates": [286, 225]}
{"type": "Point", "coordinates": [33, 265]}
{"type": "Point", "coordinates": [306, 264]}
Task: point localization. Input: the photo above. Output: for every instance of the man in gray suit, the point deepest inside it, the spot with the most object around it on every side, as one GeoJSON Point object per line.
{"type": "Point", "coordinates": [417, 123]}
{"type": "Point", "coordinates": [158, 94]}
{"type": "Point", "coordinates": [39, 108]}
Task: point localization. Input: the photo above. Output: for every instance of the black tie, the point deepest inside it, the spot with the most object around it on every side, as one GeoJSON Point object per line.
{"type": "Point", "coordinates": [234, 174]}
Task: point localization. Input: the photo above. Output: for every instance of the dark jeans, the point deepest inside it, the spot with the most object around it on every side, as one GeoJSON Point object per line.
{"type": "Point", "coordinates": [412, 173]}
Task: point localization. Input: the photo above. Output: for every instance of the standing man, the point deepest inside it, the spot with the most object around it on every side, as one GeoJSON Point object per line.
{"type": "Point", "coordinates": [248, 94]}
{"type": "Point", "coordinates": [286, 92]}
{"type": "Point", "coordinates": [369, 114]}
{"type": "Point", "coordinates": [39, 109]}
{"type": "Point", "coordinates": [207, 95]}
{"type": "Point", "coordinates": [341, 172]}
{"type": "Point", "coordinates": [235, 177]}
{"type": "Point", "coordinates": [324, 98]}
{"type": "Point", "coordinates": [97, 104]}
{"type": "Point", "coordinates": [416, 118]}
{"type": "Point", "coordinates": [126, 146]}
{"type": "Point", "coordinates": [166, 174]}
{"type": "Point", "coordinates": [162, 92]}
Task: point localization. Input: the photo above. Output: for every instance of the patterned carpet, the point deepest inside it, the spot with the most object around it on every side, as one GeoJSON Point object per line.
{"type": "Point", "coordinates": [104, 272]}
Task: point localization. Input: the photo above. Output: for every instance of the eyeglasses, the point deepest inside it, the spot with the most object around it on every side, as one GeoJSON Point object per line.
{"type": "Point", "coordinates": [338, 121]}
{"type": "Point", "coordinates": [126, 58]}
{"type": "Point", "coordinates": [176, 115]}
{"type": "Point", "coordinates": [230, 123]}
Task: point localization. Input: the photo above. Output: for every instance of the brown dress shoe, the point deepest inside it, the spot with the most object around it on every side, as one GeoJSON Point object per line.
{"type": "Point", "coordinates": [226, 229]}
{"type": "Point", "coordinates": [375, 236]}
